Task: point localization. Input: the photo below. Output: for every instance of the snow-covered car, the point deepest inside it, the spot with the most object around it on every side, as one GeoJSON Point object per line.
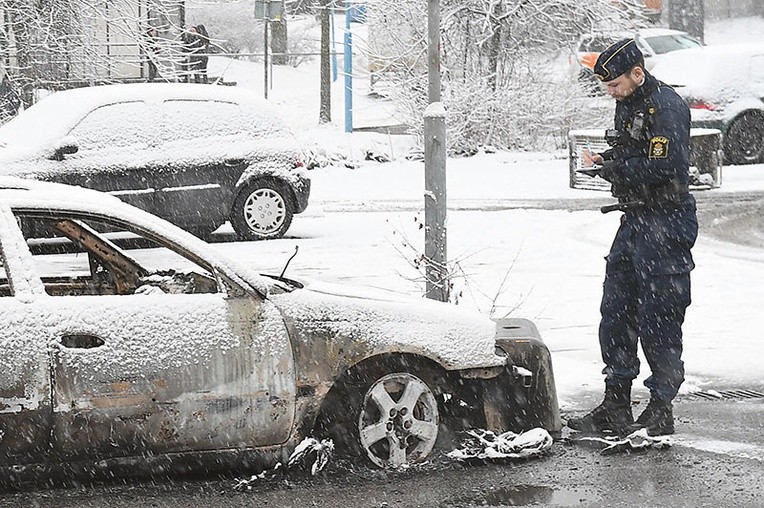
{"type": "Point", "coordinates": [653, 42]}
{"type": "Point", "coordinates": [724, 86]}
{"type": "Point", "coordinates": [171, 357]}
{"type": "Point", "coordinates": [194, 155]}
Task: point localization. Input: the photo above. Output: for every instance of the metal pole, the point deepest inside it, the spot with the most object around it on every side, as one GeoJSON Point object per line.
{"type": "Point", "coordinates": [435, 210]}
{"type": "Point", "coordinates": [348, 72]}
{"type": "Point", "coordinates": [265, 58]}
{"type": "Point", "coordinates": [325, 99]}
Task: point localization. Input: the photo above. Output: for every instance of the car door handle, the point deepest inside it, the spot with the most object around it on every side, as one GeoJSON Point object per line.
{"type": "Point", "coordinates": [81, 341]}
{"type": "Point", "coordinates": [234, 162]}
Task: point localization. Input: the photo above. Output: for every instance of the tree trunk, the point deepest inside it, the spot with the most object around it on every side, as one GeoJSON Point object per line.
{"type": "Point", "coordinates": [494, 46]}
{"type": "Point", "coordinates": [687, 15]}
{"type": "Point", "coordinates": [325, 111]}
{"type": "Point", "coordinates": [279, 41]}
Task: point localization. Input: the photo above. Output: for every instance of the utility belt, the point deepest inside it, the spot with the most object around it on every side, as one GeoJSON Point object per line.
{"type": "Point", "coordinates": [649, 197]}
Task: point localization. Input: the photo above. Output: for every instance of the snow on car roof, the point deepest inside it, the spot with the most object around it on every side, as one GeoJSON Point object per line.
{"type": "Point", "coordinates": [18, 193]}
{"type": "Point", "coordinates": [57, 113]}
{"type": "Point", "coordinates": [709, 67]}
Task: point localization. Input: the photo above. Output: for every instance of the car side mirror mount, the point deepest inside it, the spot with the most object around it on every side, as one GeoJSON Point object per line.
{"type": "Point", "coordinates": [66, 149]}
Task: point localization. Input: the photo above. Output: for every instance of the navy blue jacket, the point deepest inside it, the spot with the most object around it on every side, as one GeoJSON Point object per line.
{"type": "Point", "coordinates": [650, 164]}
{"type": "Point", "coordinates": [655, 145]}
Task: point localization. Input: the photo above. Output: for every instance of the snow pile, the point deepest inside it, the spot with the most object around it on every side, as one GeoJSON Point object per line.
{"type": "Point", "coordinates": [484, 444]}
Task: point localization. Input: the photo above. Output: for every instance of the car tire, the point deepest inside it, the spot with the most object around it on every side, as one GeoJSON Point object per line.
{"type": "Point", "coordinates": [398, 420]}
{"type": "Point", "coordinates": [352, 413]}
{"type": "Point", "coordinates": [263, 209]}
{"type": "Point", "coordinates": [744, 141]}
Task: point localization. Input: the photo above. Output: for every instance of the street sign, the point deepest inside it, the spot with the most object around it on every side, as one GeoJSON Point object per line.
{"type": "Point", "coordinates": [271, 10]}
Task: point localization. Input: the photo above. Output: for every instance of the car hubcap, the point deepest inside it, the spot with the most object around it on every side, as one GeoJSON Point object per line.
{"type": "Point", "coordinates": [264, 211]}
{"type": "Point", "coordinates": [399, 420]}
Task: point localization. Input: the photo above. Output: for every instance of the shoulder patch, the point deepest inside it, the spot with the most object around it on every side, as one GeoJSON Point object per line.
{"type": "Point", "coordinates": [659, 147]}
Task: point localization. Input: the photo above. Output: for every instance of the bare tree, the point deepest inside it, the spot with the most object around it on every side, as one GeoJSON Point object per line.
{"type": "Point", "coordinates": [504, 64]}
{"type": "Point", "coordinates": [61, 43]}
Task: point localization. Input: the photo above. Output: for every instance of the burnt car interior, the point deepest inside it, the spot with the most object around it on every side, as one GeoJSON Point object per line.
{"type": "Point", "coordinates": [110, 270]}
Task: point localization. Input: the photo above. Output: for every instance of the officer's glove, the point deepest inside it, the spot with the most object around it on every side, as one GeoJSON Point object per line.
{"type": "Point", "coordinates": [592, 172]}
{"type": "Point", "coordinates": [608, 170]}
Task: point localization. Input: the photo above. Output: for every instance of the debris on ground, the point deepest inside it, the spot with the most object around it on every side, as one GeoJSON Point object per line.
{"type": "Point", "coordinates": [483, 444]}
{"type": "Point", "coordinates": [311, 454]}
{"type": "Point", "coordinates": [637, 441]}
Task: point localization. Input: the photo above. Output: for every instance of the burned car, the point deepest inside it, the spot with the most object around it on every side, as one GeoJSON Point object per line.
{"type": "Point", "coordinates": [133, 347]}
{"type": "Point", "coordinates": [197, 156]}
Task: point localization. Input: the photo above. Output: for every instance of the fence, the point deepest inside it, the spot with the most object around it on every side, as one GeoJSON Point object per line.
{"type": "Point", "coordinates": [705, 158]}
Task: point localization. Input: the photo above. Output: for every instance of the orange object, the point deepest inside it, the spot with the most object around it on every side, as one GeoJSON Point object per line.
{"type": "Point", "coordinates": [655, 5]}
{"type": "Point", "coordinates": [589, 59]}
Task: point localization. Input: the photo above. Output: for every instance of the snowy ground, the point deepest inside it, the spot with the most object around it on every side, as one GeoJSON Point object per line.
{"type": "Point", "coordinates": [517, 259]}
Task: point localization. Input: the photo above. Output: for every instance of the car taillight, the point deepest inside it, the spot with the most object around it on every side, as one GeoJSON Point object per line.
{"type": "Point", "coordinates": [701, 104]}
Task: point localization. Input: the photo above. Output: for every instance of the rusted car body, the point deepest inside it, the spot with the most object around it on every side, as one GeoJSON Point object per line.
{"type": "Point", "coordinates": [116, 361]}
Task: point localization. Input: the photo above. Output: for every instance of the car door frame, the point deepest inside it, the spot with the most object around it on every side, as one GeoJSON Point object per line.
{"type": "Point", "coordinates": [25, 389]}
{"type": "Point", "coordinates": [265, 419]}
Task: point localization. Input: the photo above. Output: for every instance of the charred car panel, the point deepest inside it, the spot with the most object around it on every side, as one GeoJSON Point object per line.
{"type": "Point", "coordinates": [153, 372]}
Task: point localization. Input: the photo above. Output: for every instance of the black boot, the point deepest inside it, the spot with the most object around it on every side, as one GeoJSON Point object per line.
{"type": "Point", "coordinates": [612, 415]}
{"type": "Point", "coordinates": [657, 418]}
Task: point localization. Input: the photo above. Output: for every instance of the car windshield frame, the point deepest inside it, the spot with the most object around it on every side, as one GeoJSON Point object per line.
{"type": "Point", "coordinates": [41, 124]}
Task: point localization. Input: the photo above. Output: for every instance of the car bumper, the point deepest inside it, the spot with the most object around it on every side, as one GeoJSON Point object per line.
{"type": "Point", "coordinates": [523, 396]}
{"type": "Point", "coordinates": [302, 193]}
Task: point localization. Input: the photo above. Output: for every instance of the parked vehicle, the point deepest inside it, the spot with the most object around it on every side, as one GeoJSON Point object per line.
{"type": "Point", "coordinates": [653, 42]}
{"type": "Point", "coordinates": [173, 357]}
{"type": "Point", "coordinates": [724, 86]}
{"type": "Point", "coordinates": [194, 155]}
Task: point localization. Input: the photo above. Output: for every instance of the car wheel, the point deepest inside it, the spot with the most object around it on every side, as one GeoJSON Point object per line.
{"type": "Point", "coordinates": [744, 142]}
{"type": "Point", "coordinates": [398, 420]}
{"type": "Point", "coordinates": [263, 209]}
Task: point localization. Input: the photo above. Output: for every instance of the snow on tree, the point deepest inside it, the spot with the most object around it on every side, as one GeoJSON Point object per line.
{"type": "Point", "coordinates": [54, 44]}
{"type": "Point", "coordinates": [504, 65]}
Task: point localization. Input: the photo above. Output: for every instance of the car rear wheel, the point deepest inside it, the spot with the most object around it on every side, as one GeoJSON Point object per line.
{"type": "Point", "coordinates": [263, 210]}
{"type": "Point", "coordinates": [744, 142]}
{"type": "Point", "coordinates": [398, 420]}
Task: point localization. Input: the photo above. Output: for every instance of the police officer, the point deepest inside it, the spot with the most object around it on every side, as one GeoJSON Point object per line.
{"type": "Point", "coordinates": [647, 281]}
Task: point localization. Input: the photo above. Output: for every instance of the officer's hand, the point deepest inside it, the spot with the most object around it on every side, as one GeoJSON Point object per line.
{"type": "Point", "coordinates": [589, 159]}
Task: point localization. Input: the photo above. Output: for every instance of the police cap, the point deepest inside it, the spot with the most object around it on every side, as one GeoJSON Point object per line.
{"type": "Point", "coordinates": [617, 59]}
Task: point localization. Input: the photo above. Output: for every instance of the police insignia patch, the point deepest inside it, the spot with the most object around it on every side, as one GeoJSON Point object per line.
{"type": "Point", "coordinates": [659, 146]}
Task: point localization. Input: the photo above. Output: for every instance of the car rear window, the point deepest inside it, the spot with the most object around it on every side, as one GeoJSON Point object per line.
{"type": "Point", "coordinates": [665, 43]}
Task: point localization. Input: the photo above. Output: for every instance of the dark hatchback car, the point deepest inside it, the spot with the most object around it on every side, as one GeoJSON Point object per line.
{"type": "Point", "coordinates": [195, 155]}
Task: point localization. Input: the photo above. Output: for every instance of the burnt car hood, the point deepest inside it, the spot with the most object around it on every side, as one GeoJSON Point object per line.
{"type": "Point", "coordinates": [366, 321]}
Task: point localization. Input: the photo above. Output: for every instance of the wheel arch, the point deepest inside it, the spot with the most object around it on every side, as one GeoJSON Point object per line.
{"type": "Point", "coordinates": [354, 378]}
{"type": "Point", "coordinates": [258, 171]}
